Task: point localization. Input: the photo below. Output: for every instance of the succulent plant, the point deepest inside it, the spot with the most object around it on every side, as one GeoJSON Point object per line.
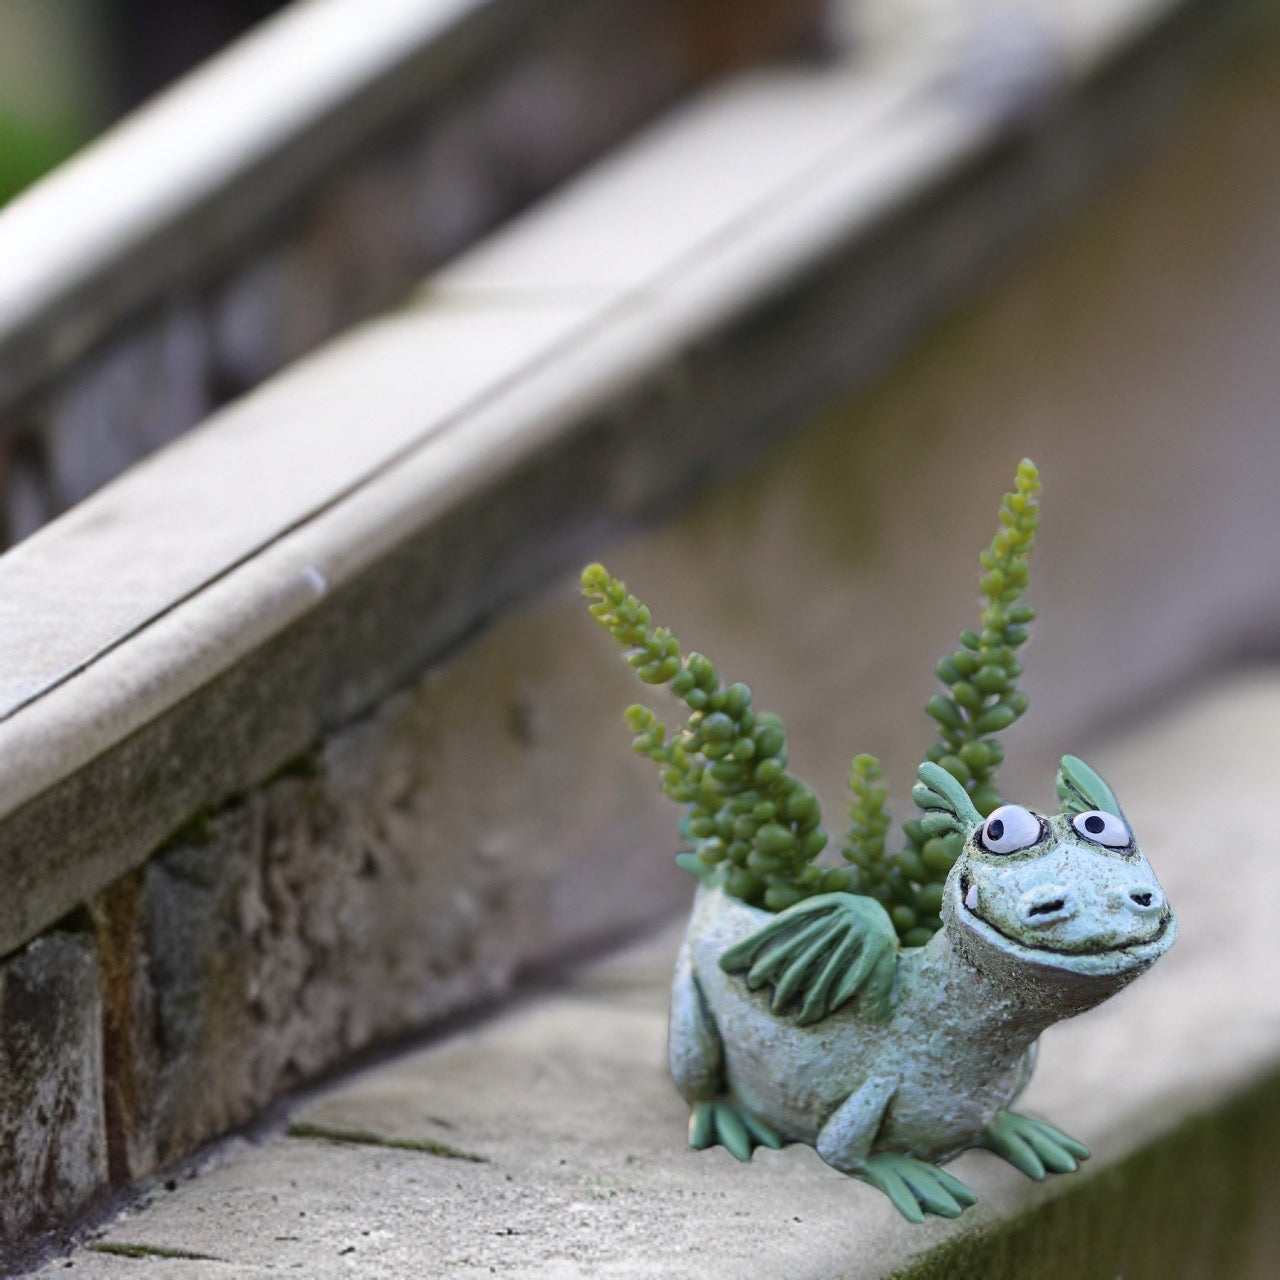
{"type": "Point", "coordinates": [982, 700]}
{"type": "Point", "coordinates": [750, 820]}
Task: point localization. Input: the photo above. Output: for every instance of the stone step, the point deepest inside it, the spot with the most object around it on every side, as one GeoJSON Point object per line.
{"type": "Point", "coordinates": [299, 182]}
{"type": "Point", "coordinates": [548, 1142]}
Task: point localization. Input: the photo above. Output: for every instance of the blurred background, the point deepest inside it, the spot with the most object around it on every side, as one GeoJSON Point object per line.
{"type": "Point", "coordinates": [1100, 293]}
{"type": "Point", "coordinates": [813, 278]}
{"type": "Point", "coordinates": [69, 68]}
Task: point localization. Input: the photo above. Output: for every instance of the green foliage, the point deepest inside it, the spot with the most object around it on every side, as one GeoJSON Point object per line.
{"type": "Point", "coordinates": [728, 763]}
{"type": "Point", "coordinates": [29, 149]}
{"type": "Point", "coordinates": [872, 871]}
{"type": "Point", "coordinates": [869, 819]}
{"type": "Point", "coordinates": [981, 676]}
{"type": "Point", "coordinates": [982, 699]}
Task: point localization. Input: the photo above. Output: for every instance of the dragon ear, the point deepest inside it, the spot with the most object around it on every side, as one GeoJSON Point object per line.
{"type": "Point", "coordinates": [1080, 789]}
{"type": "Point", "coordinates": [946, 804]}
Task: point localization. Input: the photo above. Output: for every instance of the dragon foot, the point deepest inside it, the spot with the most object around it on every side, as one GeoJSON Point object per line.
{"type": "Point", "coordinates": [915, 1187]}
{"type": "Point", "coordinates": [731, 1126]}
{"type": "Point", "coordinates": [1031, 1146]}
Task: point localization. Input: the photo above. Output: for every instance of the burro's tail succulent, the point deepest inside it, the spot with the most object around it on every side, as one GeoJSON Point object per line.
{"type": "Point", "coordinates": [886, 1012]}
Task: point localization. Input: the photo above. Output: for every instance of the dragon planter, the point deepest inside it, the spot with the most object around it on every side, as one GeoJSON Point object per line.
{"type": "Point", "coordinates": [886, 1011]}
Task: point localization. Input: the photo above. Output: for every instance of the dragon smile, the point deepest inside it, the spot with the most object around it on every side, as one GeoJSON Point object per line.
{"type": "Point", "coordinates": [1085, 956]}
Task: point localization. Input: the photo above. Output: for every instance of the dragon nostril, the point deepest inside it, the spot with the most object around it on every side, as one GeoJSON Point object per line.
{"type": "Point", "coordinates": [1143, 900]}
{"type": "Point", "coordinates": [1046, 905]}
{"type": "Point", "coordinates": [1051, 907]}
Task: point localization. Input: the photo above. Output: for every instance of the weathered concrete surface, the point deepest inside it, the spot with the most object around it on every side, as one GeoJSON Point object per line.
{"type": "Point", "coordinates": [53, 1147]}
{"type": "Point", "coordinates": [410, 869]}
{"type": "Point", "coordinates": [583, 1171]}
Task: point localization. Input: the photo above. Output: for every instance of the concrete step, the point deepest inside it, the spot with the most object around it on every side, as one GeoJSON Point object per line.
{"type": "Point", "coordinates": [548, 1142]}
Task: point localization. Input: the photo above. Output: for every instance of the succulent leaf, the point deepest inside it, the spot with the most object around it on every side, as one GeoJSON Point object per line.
{"type": "Point", "coordinates": [747, 815]}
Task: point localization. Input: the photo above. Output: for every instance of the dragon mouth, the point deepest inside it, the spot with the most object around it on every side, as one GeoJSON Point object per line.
{"type": "Point", "coordinates": [1082, 958]}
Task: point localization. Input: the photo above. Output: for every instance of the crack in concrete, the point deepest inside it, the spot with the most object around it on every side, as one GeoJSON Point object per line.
{"type": "Point", "coordinates": [361, 1137]}
{"type": "Point", "coordinates": [151, 1251]}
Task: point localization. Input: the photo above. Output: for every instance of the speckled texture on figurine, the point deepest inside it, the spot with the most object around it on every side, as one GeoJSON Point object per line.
{"type": "Point", "coordinates": [886, 1011]}
{"type": "Point", "coordinates": [1043, 917]}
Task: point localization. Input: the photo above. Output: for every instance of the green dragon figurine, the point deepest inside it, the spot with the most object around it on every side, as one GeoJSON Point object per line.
{"type": "Point", "coordinates": [886, 1011]}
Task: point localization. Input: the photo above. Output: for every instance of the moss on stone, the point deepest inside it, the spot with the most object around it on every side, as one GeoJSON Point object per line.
{"type": "Point", "coordinates": [1199, 1201]}
{"type": "Point", "coordinates": [151, 1251]}
{"type": "Point", "coordinates": [366, 1138]}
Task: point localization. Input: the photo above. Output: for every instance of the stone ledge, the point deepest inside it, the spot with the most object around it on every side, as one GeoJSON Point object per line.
{"type": "Point", "coordinates": [582, 1169]}
{"type": "Point", "coordinates": [379, 548]}
{"type": "Point", "coordinates": [275, 115]}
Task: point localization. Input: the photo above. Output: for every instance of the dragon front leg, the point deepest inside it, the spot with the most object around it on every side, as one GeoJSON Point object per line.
{"type": "Point", "coordinates": [697, 1065]}
{"type": "Point", "coordinates": [914, 1186]}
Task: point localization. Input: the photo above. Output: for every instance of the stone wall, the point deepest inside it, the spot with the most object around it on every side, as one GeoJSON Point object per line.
{"type": "Point", "coordinates": [53, 1142]}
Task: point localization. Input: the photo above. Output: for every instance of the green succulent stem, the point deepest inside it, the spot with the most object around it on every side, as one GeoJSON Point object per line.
{"type": "Point", "coordinates": [869, 819]}
{"type": "Point", "coordinates": [981, 677]}
{"type": "Point", "coordinates": [747, 813]}
{"type": "Point", "coordinates": [982, 699]}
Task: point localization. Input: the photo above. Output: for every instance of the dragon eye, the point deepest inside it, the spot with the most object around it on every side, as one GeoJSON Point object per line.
{"type": "Point", "coordinates": [1103, 828]}
{"type": "Point", "coordinates": [1010, 828]}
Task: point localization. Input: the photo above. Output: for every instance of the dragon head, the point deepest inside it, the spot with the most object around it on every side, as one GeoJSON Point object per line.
{"type": "Point", "coordinates": [1063, 905]}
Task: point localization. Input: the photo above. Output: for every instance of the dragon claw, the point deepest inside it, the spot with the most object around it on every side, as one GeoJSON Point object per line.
{"type": "Point", "coordinates": [915, 1187]}
{"type": "Point", "coordinates": [731, 1126]}
{"type": "Point", "coordinates": [1032, 1146]}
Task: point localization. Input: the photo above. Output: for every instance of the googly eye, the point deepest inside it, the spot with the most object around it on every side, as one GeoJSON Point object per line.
{"type": "Point", "coordinates": [1103, 828]}
{"type": "Point", "coordinates": [1010, 828]}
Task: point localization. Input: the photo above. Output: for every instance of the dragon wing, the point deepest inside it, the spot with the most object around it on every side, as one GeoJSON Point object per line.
{"type": "Point", "coordinates": [821, 953]}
